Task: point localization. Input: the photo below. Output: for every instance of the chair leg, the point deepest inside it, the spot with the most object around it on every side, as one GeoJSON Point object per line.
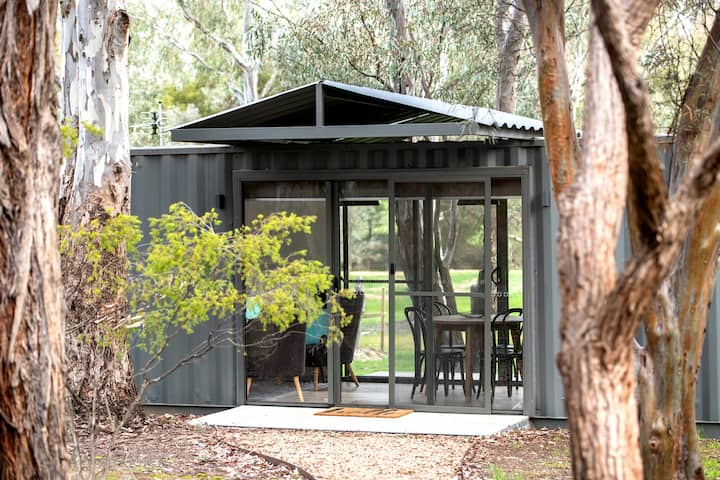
{"type": "Point", "coordinates": [509, 373]}
{"type": "Point", "coordinates": [296, 381]}
{"type": "Point", "coordinates": [352, 374]}
{"type": "Point", "coordinates": [316, 375]}
{"type": "Point", "coordinates": [452, 374]}
{"type": "Point", "coordinates": [493, 371]}
{"type": "Point", "coordinates": [248, 383]}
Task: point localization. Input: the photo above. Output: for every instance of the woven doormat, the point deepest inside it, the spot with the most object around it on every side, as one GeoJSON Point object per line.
{"type": "Point", "coordinates": [364, 412]}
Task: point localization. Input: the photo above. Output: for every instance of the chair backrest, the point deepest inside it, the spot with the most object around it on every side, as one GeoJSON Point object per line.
{"type": "Point", "coordinates": [416, 320]}
{"type": "Point", "coordinates": [500, 328]}
{"type": "Point", "coordinates": [440, 308]}
{"type": "Point", "coordinates": [353, 308]}
{"type": "Point", "coordinates": [274, 353]}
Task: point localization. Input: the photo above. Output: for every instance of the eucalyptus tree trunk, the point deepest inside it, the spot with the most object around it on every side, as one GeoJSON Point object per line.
{"type": "Point", "coordinates": [96, 185]}
{"type": "Point", "coordinates": [675, 327]}
{"type": "Point", "coordinates": [602, 310]}
{"type": "Point", "coordinates": [445, 250]}
{"type": "Point", "coordinates": [32, 394]}
{"type": "Point", "coordinates": [250, 77]}
{"type": "Point", "coordinates": [509, 34]}
{"type": "Point", "coordinates": [408, 212]}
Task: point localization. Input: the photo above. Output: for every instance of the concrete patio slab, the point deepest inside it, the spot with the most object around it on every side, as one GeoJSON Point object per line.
{"type": "Point", "coordinates": [304, 418]}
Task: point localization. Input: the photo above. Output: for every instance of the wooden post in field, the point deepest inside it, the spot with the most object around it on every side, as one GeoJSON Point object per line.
{"type": "Point", "coordinates": [382, 319]}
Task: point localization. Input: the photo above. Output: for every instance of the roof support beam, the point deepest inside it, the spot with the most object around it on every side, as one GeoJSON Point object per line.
{"type": "Point", "coordinates": [319, 105]}
{"type": "Point", "coordinates": [333, 132]}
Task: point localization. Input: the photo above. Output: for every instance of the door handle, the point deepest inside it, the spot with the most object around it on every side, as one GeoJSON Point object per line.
{"type": "Point", "coordinates": [392, 269]}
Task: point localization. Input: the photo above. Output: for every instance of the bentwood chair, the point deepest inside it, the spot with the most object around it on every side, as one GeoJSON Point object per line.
{"type": "Point", "coordinates": [449, 339]}
{"type": "Point", "coordinates": [445, 358]}
{"type": "Point", "coordinates": [507, 350]}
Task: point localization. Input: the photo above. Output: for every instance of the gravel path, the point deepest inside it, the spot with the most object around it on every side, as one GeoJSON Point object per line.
{"type": "Point", "coordinates": [343, 455]}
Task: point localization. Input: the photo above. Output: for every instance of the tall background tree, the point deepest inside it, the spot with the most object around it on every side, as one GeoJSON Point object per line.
{"type": "Point", "coordinates": [96, 185]}
{"type": "Point", "coordinates": [197, 58]}
{"type": "Point", "coordinates": [32, 394]}
{"type": "Point", "coordinates": [601, 309]}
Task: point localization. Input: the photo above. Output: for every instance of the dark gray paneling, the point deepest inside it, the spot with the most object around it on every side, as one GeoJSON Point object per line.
{"type": "Point", "coordinates": [196, 175]}
{"type": "Point", "coordinates": [550, 399]}
{"type": "Point", "coordinates": [196, 179]}
{"type": "Point", "coordinates": [550, 391]}
{"type": "Point", "coordinates": [707, 402]}
{"type": "Point", "coordinates": [403, 155]}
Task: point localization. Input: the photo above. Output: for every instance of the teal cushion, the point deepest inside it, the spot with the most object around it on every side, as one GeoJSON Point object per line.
{"type": "Point", "coordinates": [319, 327]}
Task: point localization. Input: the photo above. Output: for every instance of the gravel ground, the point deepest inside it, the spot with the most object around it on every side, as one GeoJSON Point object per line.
{"type": "Point", "coordinates": [169, 447]}
{"type": "Point", "coordinates": [355, 455]}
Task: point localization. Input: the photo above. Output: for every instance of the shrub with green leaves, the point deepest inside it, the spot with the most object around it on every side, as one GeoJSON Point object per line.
{"type": "Point", "coordinates": [190, 271]}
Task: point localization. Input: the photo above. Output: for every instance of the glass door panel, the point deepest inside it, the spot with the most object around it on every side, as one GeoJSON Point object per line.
{"type": "Point", "coordinates": [507, 290]}
{"type": "Point", "coordinates": [283, 366]}
{"type": "Point", "coordinates": [439, 293]}
{"type": "Point", "coordinates": [364, 268]}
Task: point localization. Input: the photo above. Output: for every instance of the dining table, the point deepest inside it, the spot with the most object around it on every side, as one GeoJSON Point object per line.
{"type": "Point", "coordinates": [473, 326]}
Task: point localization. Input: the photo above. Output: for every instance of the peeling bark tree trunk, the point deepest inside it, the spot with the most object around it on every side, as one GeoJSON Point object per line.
{"type": "Point", "coordinates": [601, 311]}
{"type": "Point", "coordinates": [32, 396]}
{"type": "Point", "coordinates": [96, 183]}
{"type": "Point", "coordinates": [676, 326]}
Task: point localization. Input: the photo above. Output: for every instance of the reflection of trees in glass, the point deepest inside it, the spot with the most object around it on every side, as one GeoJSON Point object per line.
{"type": "Point", "coordinates": [368, 236]}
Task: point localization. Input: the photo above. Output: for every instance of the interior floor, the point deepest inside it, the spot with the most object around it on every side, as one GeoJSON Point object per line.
{"type": "Point", "coordinates": [376, 393]}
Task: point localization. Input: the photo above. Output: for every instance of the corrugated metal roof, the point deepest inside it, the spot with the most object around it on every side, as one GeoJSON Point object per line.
{"type": "Point", "coordinates": [483, 116]}
{"type": "Point", "coordinates": [349, 105]}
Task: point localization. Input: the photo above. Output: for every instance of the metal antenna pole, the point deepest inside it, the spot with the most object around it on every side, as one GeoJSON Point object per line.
{"type": "Point", "coordinates": [160, 122]}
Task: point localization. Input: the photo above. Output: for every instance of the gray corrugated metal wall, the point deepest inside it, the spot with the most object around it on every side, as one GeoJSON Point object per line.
{"type": "Point", "coordinates": [159, 180]}
{"type": "Point", "coordinates": [550, 390]}
{"type": "Point", "coordinates": [197, 175]}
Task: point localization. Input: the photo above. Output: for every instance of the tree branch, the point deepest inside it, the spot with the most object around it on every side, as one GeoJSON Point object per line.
{"type": "Point", "coordinates": [647, 271]}
{"type": "Point", "coordinates": [699, 115]}
{"type": "Point", "coordinates": [548, 29]}
{"type": "Point", "coordinates": [647, 193]}
{"type": "Point", "coordinates": [221, 42]}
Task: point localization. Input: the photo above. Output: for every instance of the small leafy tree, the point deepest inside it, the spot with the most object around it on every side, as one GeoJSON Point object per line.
{"type": "Point", "coordinates": [189, 271]}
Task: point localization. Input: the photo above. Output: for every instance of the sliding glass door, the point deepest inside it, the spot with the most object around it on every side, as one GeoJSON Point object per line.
{"type": "Point", "coordinates": [440, 274]}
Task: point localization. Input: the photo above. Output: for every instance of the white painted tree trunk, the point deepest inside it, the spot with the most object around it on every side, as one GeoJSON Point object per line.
{"type": "Point", "coordinates": [96, 183]}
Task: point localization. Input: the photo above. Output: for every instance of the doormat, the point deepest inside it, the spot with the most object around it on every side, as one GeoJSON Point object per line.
{"type": "Point", "coordinates": [364, 412]}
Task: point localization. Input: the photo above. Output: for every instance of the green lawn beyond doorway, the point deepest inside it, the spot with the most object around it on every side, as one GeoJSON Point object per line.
{"type": "Point", "coordinates": [372, 353]}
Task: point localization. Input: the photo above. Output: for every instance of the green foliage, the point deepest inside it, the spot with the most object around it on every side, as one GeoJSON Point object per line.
{"type": "Point", "coordinates": [69, 135]}
{"type": "Point", "coordinates": [187, 271]}
{"type": "Point", "coordinates": [671, 48]}
{"type": "Point", "coordinates": [172, 61]}
{"type": "Point", "coordinates": [69, 138]}
{"type": "Point", "coordinates": [98, 238]}
{"type": "Point", "coordinates": [712, 468]}
{"type": "Point", "coordinates": [353, 41]}
{"type": "Point", "coordinates": [93, 129]}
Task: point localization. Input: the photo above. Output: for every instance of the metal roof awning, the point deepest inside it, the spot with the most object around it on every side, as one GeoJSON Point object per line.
{"type": "Point", "coordinates": [331, 111]}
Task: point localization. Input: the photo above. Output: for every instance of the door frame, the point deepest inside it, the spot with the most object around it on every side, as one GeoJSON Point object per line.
{"type": "Point", "coordinates": [523, 172]}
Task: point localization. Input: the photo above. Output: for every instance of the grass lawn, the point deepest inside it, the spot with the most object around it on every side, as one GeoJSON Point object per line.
{"type": "Point", "coordinates": [371, 355]}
